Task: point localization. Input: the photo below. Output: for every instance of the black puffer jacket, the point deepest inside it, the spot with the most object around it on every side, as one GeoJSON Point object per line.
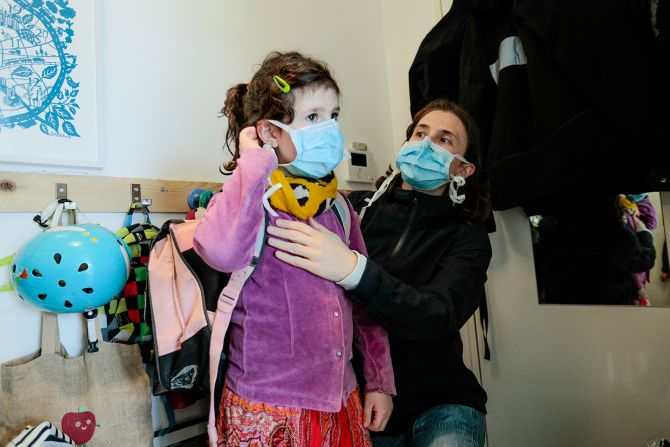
{"type": "Point", "coordinates": [424, 279]}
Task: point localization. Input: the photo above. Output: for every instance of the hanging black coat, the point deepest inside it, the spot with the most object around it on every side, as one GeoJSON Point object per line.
{"type": "Point", "coordinates": [576, 107]}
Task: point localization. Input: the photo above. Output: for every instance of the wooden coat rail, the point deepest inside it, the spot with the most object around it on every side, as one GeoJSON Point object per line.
{"type": "Point", "coordinates": [32, 192]}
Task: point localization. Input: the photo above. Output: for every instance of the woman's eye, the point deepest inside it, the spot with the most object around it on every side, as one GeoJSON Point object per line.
{"type": "Point", "coordinates": [420, 133]}
{"type": "Point", "coordinates": [445, 140]}
{"type": "Point", "coordinates": [334, 115]}
{"type": "Point", "coordinates": [312, 117]}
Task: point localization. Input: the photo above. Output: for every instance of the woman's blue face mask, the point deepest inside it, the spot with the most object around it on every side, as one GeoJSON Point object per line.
{"type": "Point", "coordinates": [319, 148]}
{"type": "Point", "coordinates": [425, 165]}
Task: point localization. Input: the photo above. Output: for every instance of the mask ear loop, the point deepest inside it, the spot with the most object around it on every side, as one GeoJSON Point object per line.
{"type": "Point", "coordinates": [457, 182]}
{"type": "Point", "coordinates": [272, 189]}
{"type": "Point", "coordinates": [289, 130]}
{"type": "Point", "coordinates": [266, 197]}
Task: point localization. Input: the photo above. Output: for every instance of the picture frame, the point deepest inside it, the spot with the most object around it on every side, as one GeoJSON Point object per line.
{"type": "Point", "coordinates": [49, 83]}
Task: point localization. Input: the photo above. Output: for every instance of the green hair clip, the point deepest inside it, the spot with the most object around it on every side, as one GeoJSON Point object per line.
{"type": "Point", "coordinates": [283, 85]}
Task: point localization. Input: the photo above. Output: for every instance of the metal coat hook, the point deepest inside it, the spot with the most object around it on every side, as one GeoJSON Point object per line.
{"type": "Point", "coordinates": [136, 196]}
{"type": "Point", "coordinates": [61, 191]}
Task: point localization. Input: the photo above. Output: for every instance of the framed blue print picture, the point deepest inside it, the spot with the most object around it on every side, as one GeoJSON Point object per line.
{"type": "Point", "coordinates": [48, 83]}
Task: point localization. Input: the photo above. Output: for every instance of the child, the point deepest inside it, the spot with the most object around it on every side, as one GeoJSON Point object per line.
{"type": "Point", "coordinates": [289, 380]}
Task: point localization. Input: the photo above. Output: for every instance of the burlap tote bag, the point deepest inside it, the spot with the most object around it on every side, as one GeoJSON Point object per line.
{"type": "Point", "coordinates": [111, 384]}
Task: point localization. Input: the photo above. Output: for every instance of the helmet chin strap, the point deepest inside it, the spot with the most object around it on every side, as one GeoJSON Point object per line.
{"type": "Point", "coordinates": [52, 215]}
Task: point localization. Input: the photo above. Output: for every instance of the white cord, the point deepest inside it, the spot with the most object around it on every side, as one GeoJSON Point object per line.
{"type": "Point", "coordinates": [382, 189]}
{"type": "Point", "coordinates": [266, 197]}
{"type": "Point", "coordinates": [457, 182]}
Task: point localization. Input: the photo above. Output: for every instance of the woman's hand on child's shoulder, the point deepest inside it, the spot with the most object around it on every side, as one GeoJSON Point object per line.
{"type": "Point", "coordinates": [376, 410]}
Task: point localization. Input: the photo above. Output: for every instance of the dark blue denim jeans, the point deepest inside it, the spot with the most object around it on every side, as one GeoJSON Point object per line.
{"type": "Point", "coordinates": [441, 426]}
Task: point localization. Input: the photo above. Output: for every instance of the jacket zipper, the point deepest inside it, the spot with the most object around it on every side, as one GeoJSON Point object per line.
{"type": "Point", "coordinates": [405, 232]}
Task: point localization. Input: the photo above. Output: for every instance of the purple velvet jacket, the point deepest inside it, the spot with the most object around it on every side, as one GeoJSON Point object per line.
{"type": "Point", "coordinates": [291, 333]}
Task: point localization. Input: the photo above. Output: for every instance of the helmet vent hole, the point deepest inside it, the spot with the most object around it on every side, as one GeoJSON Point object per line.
{"type": "Point", "coordinates": [87, 290]}
{"type": "Point", "coordinates": [67, 304]}
{"type": "Point", "coordinates": [42, 296]}
{"type": "Point", "coordinates": [57, 258]}
{"type": "Point", "coordinates": [82, 267]}
{"type": "Point", "coordinates": [61, 283]}
{"type": "Point", "coordinates": [37, 273]}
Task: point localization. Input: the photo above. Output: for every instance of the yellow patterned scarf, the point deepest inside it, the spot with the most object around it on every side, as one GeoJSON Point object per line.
{"type": "Point", "coordinates": [303, 197]}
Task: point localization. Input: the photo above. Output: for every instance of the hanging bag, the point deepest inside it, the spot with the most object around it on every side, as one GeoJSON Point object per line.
{"type": "Point", "coordinates": [105, 393]}
{"type": "Point", "coordinates": [125, 313]}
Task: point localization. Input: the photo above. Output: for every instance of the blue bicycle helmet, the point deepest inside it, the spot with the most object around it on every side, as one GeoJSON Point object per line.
{"type": "Point", "coordinates": [71, 269]}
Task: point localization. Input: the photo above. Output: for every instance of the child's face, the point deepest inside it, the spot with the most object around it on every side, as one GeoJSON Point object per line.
{"type": "Point", "coordinates": [311, 106]}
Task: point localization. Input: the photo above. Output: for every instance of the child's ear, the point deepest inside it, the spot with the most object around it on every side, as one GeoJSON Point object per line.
{"type": "Point", "coordinates": [267, 133]}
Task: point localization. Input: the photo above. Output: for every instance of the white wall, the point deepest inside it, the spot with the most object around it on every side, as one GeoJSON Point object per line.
{"type": "Point", "coordinates": [575, 376]}
{"type": "Point", "coordinates": [169, 63]}
{"type": "Point", "coordinates": [569, 375]}
{"type": "Point", "coordinates": [405, 26]}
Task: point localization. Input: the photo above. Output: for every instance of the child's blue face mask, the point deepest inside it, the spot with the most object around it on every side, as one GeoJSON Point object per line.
{"type": "Point", "coordinates": [319, 148]}
{"type": "Point", "coordinates": [425, 166]}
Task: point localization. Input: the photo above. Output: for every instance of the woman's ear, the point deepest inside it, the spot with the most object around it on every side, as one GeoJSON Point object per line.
{"type": "Point", "coordinates": [467, 170]}
{"type": "Point", "coordinates": [268, 133]}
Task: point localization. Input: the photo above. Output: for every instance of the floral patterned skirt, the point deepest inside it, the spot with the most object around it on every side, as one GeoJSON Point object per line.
{"type": "Point", "coordinates": [247, 423]}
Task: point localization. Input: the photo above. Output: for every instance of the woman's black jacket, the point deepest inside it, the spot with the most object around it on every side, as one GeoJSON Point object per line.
{"type": "Point", "coordinates": [424, 279]}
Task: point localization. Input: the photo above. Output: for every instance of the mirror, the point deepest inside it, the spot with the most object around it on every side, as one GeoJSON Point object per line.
{"type": "Point", "coordinates": [606, 249]}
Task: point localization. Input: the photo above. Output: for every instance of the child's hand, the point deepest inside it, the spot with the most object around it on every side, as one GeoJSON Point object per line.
{"type": "Point", "coordinates": [248, 139]}
{"type": "Point", "coordinates": [376, 411]}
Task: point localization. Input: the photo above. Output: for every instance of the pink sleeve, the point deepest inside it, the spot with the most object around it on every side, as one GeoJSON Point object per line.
{"type": "Point", "coordinates": [370, 339]}
{"type": "Point", "coordinates": [227, 233]}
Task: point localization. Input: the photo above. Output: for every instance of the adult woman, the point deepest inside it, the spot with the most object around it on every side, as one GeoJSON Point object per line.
{"type": "Point", "coordinates": [428, 256]}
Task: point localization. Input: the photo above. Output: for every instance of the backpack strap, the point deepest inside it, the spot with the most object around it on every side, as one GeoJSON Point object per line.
{"type": "Point", "coordinates": [128, 219]}
{"type": "Point", "coordinates": [341, 209]}
{"type": "Point", "coordinates": [224, 311]}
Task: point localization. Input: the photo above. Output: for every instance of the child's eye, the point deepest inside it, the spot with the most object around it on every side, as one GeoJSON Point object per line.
{"type": "Point", "coordinates": [312, 117]}
{"type": "Point", "coordinates": [335, 115]}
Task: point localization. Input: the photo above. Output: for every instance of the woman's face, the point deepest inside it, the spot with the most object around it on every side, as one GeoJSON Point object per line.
{"type": "Point", "coordinates": [446, 130]}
